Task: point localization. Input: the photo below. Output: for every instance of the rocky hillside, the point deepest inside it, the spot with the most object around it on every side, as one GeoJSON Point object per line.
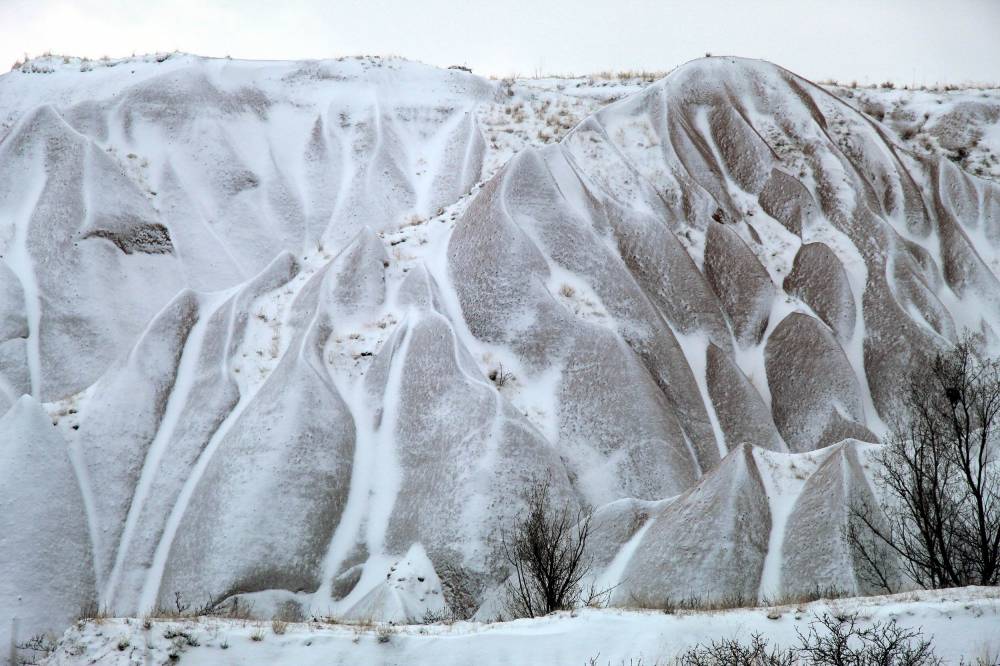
{"type": "Point", "coordinates": [285, 330]}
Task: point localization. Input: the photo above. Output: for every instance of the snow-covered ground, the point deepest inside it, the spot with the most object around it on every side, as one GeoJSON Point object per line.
{"type": "Point", "coordinates": [963, 623]}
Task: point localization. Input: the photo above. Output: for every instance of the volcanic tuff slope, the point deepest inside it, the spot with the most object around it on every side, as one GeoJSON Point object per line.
{"type": "Point", "coordinates": [289, 328]}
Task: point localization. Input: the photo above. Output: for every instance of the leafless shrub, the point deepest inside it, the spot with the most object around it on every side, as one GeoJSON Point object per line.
{"type": "Point", "coordinates": [731, 652]}
{"type": "Point", "coordinates": [500, 377]}
{"type": "Point", "coordinates": [841, 640]}
{"type": "Point", "coordinates": [279, 626]}
{"type": "Point", "coordinates": [829, 641]}
{"type": "Point", "coordinates": [939, 468]}
{"type": "Point", "coordinates": [695, 603]}
{"type": "Point", "coordinates": [436, 617]}
{"type": "Point", "coordinates": [212, 606]}
{"type": "Point", "coordinates": [988, 654]}
{"type": "Point", "coordinates": [35, 650]}
{"type": "Point", "coordinates": [181, 636]}
{"type": "Point", "coordinates": [290, 611]}
{"type": "Point", "coordinates": [384, 632]}
{"type": "Point", "coordinates": [545, 550]}
{"type": "Point", "coordinates": [233, 609]}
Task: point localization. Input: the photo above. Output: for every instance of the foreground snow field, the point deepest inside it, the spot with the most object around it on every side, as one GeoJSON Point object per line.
{"type": "Point", "coordinates": [964, 623]}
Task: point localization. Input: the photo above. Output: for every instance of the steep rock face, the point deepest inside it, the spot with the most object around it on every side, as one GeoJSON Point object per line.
{"type": "Point", "coordinates": [708, 543]}
{"type": "Point", "coordinates": [819, 279]}
{"type": "Point", "coordinates": [502, 257]}
{"type": "Point", "coordinates": [73, 242]}
{"type": "Point", "coordinates": [451, 436]}
{"type": "Point", "coordinates": [45, 546]}
{"type": "Point", "coordinates": [787, 200]}
{"type": "Point", "coordinates": [742, 413]}
{"type": "Point", "coordinates": [868, 193]}
{"type": "Point", "coordinates": [15, 378]}
{"type": "Point", "coordinates": [814, 552]}
{"type": "Point", "coordinates": [281, 472]}
{"type": "Point", "coordinates": [298, 436]}
{"type": "Point", "coordinates": [740, 281]}
{"type": "Point", "coordinates": [359, 272]}
{"type": "Point", "coordinates": [109, 431]}
{"type": "Point", "coordinates": [816, 399]}
{"type": "Point", "coordinates": [202, 398]}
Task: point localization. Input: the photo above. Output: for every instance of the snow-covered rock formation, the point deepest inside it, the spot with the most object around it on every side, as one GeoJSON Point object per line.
{"type": "Point", "coordinates": [286, 326]}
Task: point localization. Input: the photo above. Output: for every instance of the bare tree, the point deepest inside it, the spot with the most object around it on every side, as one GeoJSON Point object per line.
{"type": "Point", "coordinates": [545, 550]}
{"type": "Point", "coordinates": [942, 480]}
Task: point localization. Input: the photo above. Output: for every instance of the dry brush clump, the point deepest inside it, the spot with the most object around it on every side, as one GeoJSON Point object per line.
{"type": "Point", "coordinates": [829, 641]}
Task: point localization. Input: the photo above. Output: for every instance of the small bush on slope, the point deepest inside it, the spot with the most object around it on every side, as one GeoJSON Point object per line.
{"type": "Point", "coordinates": [545, 550]}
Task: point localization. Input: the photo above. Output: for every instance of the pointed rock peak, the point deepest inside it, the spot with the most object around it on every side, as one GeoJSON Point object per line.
{"type": "Point", "coordinates": [166, 333]}
{"type": "Point", "coordinates": [839, 428]}
{"type": "Point", "coordinates": [366, 241]}
{"type": "Point", "coordinates": [787, 200]}
{"type": "Point", "coordinates": [37, 126]}
{"type": "Point", "coordinates": [419, 289]}
{"type": "Point", "coordinates": [807, 372]}
{"type": "Point", "coordinates": [25, 413]}
{"type": "Point", "coordinates": [737, 470]}
{"type": "Point", "coordinates": [282, 269]}
{"type": "Point", "coordinates": [355, 279]}
{"type": "Point", "coordinates": [43, 116]}
{"type": "Point", "coordinates": [740, 458]}
{"type": "Point", "coordinates": [742, 413]}
{"type": "Point", "coordinates": [529, 166]}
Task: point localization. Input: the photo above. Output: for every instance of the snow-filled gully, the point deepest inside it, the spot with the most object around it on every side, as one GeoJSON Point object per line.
{"type": "Point", "coordinates": [185, 377]}
{"type": "Point", "coordinates": [151, 588]}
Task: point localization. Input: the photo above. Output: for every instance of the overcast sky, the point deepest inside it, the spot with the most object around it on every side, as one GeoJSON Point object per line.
{"type": "Point", "coordinates": [909, 41]}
